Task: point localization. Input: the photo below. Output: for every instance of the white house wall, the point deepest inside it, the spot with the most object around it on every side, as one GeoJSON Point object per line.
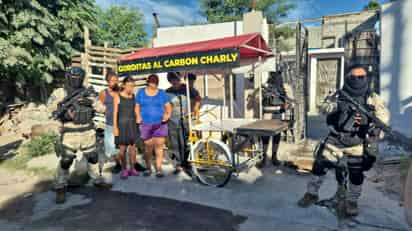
{"type": "Point", "coordinates": [186, 34]}
{"type": "Point", "coordinates": [167, 36]}
{"type": "Point", "coordinates": [396, 63]}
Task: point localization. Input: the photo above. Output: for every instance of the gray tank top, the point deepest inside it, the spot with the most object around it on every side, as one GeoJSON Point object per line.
{"type": "Point", "coordinates": [109, 108]}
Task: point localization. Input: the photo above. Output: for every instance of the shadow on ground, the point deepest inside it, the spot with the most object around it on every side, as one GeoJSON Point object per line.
{"type": "Point", "coordinates": [110, 210]}
{"type": "Point", "coordinates": [19, 208]}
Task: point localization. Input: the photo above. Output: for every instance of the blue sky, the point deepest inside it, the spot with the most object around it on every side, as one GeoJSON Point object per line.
{"type": "Point", "coordinates": [181, 12]}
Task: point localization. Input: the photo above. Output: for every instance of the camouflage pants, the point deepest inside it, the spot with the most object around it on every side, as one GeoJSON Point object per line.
{"type": "Point", "coordinates": [80, 147]}
{"type": "Point", "coordinates": [355, 169]}
{"type": "Point", "coordinates": [353, 192]}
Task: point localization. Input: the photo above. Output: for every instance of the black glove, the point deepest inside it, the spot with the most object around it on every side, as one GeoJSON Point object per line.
{"type": "Point", "coordinates": [342, 162]}
{"type": "Point", "coordinates": [374, 132]}
{"type": "Point", "coordinates": [370, 107]}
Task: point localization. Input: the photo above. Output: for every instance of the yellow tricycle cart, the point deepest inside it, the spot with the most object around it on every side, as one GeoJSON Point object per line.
{"type": "Point", "coordinates": [225, 145]}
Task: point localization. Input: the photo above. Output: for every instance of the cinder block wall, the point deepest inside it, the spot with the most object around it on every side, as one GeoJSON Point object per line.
{"type": "Point", "coordinates": [338, 26]}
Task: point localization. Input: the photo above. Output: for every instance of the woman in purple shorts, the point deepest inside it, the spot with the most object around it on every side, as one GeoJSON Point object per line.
{"type": "Point", "coordinates": [153, 110]}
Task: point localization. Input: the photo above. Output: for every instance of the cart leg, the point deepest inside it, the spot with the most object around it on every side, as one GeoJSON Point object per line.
{"type": "Point", "coordinates": [275, 148]}
{"type": "Point", "coordinates": [232, 143]}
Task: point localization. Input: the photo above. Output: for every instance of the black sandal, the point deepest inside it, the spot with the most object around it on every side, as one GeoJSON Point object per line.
{"type": "Point", "coordinates": [147, 172]}
{"type": "Point", "coordinates": [159, 174]}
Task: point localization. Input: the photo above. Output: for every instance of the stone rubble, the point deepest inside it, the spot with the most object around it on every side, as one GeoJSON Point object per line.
{"type": "Point", "coordinates": [31, 118]}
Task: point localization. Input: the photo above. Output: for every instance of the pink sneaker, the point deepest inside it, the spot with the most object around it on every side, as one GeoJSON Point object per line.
{"type": "Point", "coordinates": [133, 172]}
{"type": "Point", "coordinates": [124, 174]}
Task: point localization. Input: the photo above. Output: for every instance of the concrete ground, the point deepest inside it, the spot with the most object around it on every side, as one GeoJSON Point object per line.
{"type": "Point", "coordinates": [255, 200]}
{"type": "Point", "coordinates": [252, 201]}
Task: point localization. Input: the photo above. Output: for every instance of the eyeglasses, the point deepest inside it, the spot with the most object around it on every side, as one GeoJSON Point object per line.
{"type": "Point", "coordinates": [357, 76]}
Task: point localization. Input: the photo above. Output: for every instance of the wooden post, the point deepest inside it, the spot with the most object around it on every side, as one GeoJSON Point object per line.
{"type": "Point", "coordinates": [84, 64]}
{"type": "Point", "coordinates": [188, 100]}
{"type": "Point", "coordinates": [85, 57]}
{"type": "Point", "coordinates": [104, 57]}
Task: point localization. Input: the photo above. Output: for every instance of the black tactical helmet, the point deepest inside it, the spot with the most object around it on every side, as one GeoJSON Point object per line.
{"type": "Point", "coordinates": [76, 71]}
{"type": "Point", "coordinates": [74, 78]}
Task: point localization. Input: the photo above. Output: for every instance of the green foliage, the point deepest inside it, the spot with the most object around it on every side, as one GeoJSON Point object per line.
{"type": "Point", "coordinates": [120, 26]}
{"type": "Point", "coordinates": [230, 10]}
{"type": "Point", "coordinates": [38, 37]}
{"type": "Point", "coordinates": [281, 36]}
{"type": "Point", "coordinates": [19, 162]}
{"type": "Point", "coordinates": [40, 146]}
{"type": "Point", "coordinates": [373, 5]}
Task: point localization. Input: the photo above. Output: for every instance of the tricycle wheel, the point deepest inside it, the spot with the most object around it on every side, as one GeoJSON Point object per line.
{"type": "Point", "coordinates": [211, 162]}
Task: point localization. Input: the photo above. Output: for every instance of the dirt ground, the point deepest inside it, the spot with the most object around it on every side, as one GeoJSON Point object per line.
{"type": "Point", "coordinates": [256, 200]}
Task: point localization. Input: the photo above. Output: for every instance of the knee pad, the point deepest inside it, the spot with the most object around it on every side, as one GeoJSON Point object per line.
{"type": "Point", "coordinates": [92, 158]}
{"type": "Point", "coordinates": [66, 162]}
{"type": "Point", "coordinates": [356, 176]}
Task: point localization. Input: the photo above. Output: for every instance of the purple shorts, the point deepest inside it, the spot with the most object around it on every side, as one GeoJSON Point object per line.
{"type": "Point", "coordinates": [148, 131]}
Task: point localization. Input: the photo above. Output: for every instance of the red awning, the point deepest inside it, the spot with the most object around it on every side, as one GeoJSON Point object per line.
{"type": "Point", "coordinates": [250, 46]}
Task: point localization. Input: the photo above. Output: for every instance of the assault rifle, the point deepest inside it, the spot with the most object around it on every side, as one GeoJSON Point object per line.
{"type": "Point", "coordinates": [377, 123]}
{"type": "Point", "coordinates": [70, 100]}
{"type": "Point", "coordinates": [270, 91]}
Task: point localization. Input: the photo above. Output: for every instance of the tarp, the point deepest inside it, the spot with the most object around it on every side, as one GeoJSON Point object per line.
{"type": "Point", "coordinates": [210, 54]}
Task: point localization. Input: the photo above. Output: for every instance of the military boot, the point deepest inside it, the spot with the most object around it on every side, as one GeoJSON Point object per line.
{"type": "Point", "coordinates": [308, 200]}
{"type": "Point", "coordinates": [100, 183]}
{"type": "Point", "coordinates": [351, 208]}
{"type": "Point", "coordinates": [60, 195]}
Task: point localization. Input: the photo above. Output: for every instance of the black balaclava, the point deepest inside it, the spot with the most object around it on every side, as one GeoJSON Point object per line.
{"type": "Point", "coordinates": [356, 87]}
{"type": "Point", "coordinates": [74, 79]}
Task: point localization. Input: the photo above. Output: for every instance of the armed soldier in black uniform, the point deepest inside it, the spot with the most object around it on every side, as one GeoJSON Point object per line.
{"type": "Point", "coordinates": [78, 135]}
{"type": "Point", "coordinates": [356, 118]}
{"type": "Point", "coordinates": [277, 102]}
